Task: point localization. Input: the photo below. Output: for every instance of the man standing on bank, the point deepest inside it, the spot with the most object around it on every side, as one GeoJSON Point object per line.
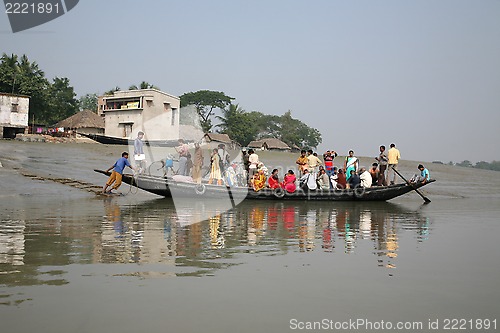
{"type": "Point", "coordinates": [393, 157]}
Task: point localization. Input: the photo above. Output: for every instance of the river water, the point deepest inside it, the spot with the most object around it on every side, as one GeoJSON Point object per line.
{"type": "Point", "coordinates": [71, 261]}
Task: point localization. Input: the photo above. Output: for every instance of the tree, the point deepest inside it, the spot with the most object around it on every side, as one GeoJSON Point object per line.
{"type": "Point", "coordinates": [88, 102]}
{"type": "Point", "coordinates": [465, 163]}
{"type": "Point", "coordinates": [206, 102]}
{"type": "Point", "coordinates": [20, 76]}
{"type": "Point", "coordinates": [289, 130]}
{"type": "Point", "coordinates": [63, 102]}
{"type": "Point", "coordinates": [238, 124]}
{"type": "Point", "coordinates": [112, 91]}
{"type": "Point", "coordinates": [143, 85]}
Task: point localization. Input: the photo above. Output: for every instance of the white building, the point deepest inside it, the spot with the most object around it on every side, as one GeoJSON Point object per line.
{"type": "Point", "coordinates": [154, 112]}
{"type": "Point", "coordinates": [13, 115]}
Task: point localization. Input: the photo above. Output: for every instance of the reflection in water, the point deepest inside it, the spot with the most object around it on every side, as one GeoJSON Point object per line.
{"type": "Point", "coordinates": [159, 232]}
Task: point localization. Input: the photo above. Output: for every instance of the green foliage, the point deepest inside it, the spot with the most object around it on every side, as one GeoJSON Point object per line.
{"type": "Point", "coordinates": [143, 85]}
{"type": "Point", "coordinates": [63, 102]}
{"type": "Point", "coordinates": [20, 76]}
{"type": "Point", "coordinates": [238, 124]}
{"type": "Point", "coordinates": [466, 164]}
{"type": "Point", "coordinates": [495, 165]}
{"type": "Point", "coordinates": [88, 102]}
{"type": "Point", "coordinates": [244, 127]}
{"type": "Point", "coordinates": [112, 91]}
{"type": "Point", "coordinates": [206, 102]}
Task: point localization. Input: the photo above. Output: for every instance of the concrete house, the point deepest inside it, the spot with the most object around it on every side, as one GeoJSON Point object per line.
{"type": "Point", "coordinates": [13, 115]}
{"type": "Point", "coordinates": [154, 112]}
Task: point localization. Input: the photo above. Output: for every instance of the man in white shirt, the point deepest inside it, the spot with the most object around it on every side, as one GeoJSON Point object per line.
{"type": "Point", "coordinates": [366, 178]}
{"type": "Point", "coordinates": [253, 160]}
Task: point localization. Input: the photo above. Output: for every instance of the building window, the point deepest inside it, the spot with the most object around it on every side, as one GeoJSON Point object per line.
{"type": "Point", "coordinates": [15, 107]}
{"type": "Point", "coordinates": [174, 112]}
{"type": "Point", "coordinates": [127, 130]}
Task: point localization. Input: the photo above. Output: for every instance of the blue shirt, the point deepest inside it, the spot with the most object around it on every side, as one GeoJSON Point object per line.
{"type": "Point", "coordinates": [120, 165]}
{"type": "Point", "coordinates": [425, 174]}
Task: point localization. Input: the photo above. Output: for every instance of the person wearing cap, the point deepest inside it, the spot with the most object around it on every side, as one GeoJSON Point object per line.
{"type": "Point", "coordinates": [423, 177]}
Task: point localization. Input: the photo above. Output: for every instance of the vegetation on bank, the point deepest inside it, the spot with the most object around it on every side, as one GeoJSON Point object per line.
{"type": "Point", "coordinates": [495, 165]}
{"type": "Point", "coordinates": [51, 102]}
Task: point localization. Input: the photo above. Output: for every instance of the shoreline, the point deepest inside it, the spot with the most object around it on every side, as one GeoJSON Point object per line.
{"type": "Point", "coordinates": [50, 139]}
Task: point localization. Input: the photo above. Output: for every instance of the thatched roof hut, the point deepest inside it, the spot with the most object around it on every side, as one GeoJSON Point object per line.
{"type": "Point", "coordinates": [269, 144]}
{"type": "Point", "coordinates": [214, 139]}
{"type": "Point", "coordinates": [84, 121]}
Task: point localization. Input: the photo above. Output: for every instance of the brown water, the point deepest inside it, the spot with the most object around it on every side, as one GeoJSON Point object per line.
{"type": "Point", "coordinates": [74, 262]}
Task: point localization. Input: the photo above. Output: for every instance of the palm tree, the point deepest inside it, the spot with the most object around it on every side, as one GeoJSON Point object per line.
{"type": "Point", "coordinates": [143, 85]}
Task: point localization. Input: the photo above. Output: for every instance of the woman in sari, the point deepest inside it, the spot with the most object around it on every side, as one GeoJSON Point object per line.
{"type": "Point", "coordinates": [215, 168]}
{"type": "Point", "coordinates": [350, 163]}
{"type": "Point", "coordinates": [259, 181]}
{"type": "Point", "coordinates": [274, 181]}
{"type": "Point", "coordinates": [289, 182]}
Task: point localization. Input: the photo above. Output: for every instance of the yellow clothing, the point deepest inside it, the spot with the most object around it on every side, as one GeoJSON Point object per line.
{"type": "Point", "coordinates": [313, 161]}
{"type": "Point", "coordinates": [114, 178]}
{"type": "Point", "coordinates": [302, 162]}
{"type": "Point", "coordinates": [215, 172]}
{"type": "Point", "coordinates": [259, 182]}
{"type": "Point", "coordinates": [393, 155]}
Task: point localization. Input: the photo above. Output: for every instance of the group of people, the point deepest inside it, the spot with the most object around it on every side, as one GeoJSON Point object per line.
{"type": "Point", "coordinates": [313, 172]}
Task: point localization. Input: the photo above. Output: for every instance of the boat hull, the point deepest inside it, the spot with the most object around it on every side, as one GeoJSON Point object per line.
{"type": "Point", "coordinates": [110, 140]}
{"type": "Point", "coordinates": [167, 187]}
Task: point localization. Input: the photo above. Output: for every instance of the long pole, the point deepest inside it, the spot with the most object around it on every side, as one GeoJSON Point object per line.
{"type": "Point", "coordinates": [427, 200]}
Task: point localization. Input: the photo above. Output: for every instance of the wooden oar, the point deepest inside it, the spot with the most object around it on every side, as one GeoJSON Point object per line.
{"type": "Point", "coordinates": [427, 200]}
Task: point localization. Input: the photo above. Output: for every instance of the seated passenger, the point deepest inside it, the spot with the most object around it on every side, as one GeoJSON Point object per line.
{"type": "Point", "coordinates": [334, 178]}
{"type": "Point", "coordinates": [423, 177]}
{"type": "Point", "coordinates": [289, 182]}
{"type": "Point", "coordinates": [258, 181]}
{"type": "Point", "coordinates": [274, 181]}
{"type": "Point", "coordinates": [354, 180]}
{"type": "Point", "coordinates": [323, 180]}
{"type": "Point", "coordinates": [366, 178]}
{"type": "Point", "coordinates": [308, 181]}
{"type": "Point", "coordinates": [341, 180]}
{"type": "Point", "coordinates": [374, 173]}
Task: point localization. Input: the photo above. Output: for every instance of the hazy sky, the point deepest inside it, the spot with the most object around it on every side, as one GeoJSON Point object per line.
{"type": "Point", "coordinates": [422, 74]}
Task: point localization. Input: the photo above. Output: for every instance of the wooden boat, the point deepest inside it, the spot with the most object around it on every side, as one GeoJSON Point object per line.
{"type": "Point", "coordinates": [111, 140]}
{"type": "Point", "coordinates": [168, 187]}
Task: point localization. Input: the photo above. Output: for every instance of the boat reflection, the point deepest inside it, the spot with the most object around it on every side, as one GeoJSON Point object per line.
{"type": "Point", "coordinates": [161, 233]}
